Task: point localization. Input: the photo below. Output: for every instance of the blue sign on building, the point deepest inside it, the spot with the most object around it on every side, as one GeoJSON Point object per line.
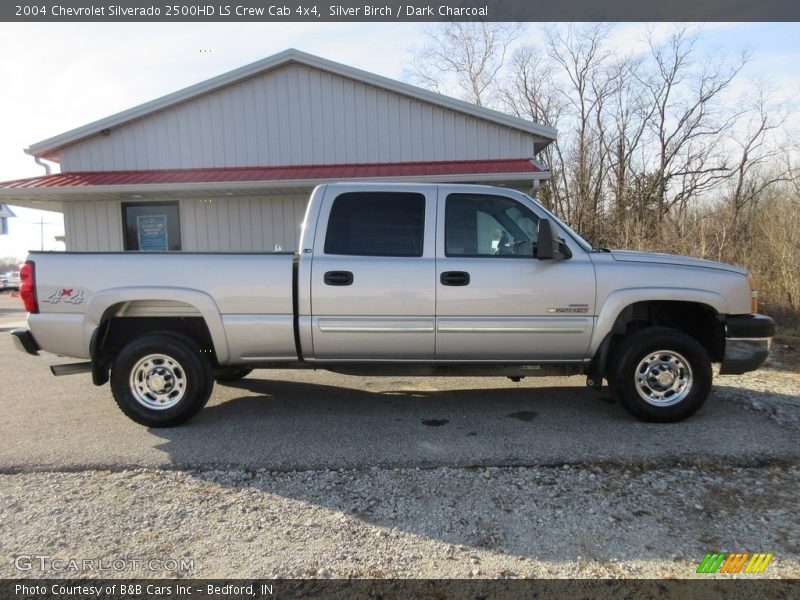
{"type": "Point", "coordinates": [152, 233]}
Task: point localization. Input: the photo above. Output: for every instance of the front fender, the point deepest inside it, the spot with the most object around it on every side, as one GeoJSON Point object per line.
{"type": "Point", "coordinates": [617, 301]}
{"type": "Point", "coordinates": [99, 303]}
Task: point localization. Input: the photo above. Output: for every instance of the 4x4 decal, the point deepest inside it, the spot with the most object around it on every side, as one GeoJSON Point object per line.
{"type": "Point", "coordinates": [65, 295]}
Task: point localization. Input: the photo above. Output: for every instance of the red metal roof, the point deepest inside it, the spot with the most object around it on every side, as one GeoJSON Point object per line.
{"type": "Point", "coordinates": [284, 173]}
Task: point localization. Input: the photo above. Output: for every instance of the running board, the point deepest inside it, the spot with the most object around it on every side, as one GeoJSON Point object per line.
{"type": "Point", "coordinates": [71, 369]}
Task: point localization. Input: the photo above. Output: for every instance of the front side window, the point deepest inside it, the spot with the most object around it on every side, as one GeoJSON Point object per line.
{"type": "Point", "coordinates": [491, 226]}
{"type": "Point", "coordinates": [376, 224]}
{"type": "Point", "coordinates": [151, 226]}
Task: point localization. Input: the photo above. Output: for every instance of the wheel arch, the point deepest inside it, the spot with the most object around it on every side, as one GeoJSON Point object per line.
{"type": "Point", "coordinates": [116, 316]}
{"type": "Point", "coordinates": [697, 317]}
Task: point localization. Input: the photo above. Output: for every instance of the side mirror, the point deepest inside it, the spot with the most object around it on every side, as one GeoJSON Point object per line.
{"type": "Point", "coordinates": [548, 245]}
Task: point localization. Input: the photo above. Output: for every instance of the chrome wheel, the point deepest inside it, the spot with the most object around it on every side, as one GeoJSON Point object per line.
{"type": "Point", "coordinates": [158, 381]}
{"type": "Point", "coordinates": [663, 378]}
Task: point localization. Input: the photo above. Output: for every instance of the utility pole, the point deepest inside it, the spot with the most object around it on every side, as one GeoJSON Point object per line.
{"type": "Point", "coordinates": [41, 223]}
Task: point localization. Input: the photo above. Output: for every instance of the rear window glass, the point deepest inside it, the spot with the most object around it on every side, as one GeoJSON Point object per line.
{"type": "Point", "coordinates": [376, 224]}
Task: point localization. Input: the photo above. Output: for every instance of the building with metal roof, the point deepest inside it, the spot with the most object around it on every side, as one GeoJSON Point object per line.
{"type": "Point", "coordinates": [228, 164]}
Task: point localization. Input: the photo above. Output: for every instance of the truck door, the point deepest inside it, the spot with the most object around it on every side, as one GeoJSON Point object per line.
{"type": "Point", "coordinates": [373, 273]}
{"type": "Point", "coordinates": [495, 299]}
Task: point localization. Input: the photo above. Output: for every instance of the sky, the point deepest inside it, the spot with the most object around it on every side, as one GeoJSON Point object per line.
{"type": "Point", "coordinates": [58, 76]}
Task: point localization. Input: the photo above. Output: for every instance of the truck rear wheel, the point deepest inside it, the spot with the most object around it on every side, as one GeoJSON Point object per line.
{"type": "Point", "coordinates": [161, 380]}
{"type": "Point", "coordinates": [661, 375]}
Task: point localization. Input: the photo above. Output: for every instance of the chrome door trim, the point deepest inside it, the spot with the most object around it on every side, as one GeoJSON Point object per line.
{"type": "Point", "coordinates": [511, 325]}
{"type": "Point", "coordinates": [375, 325]}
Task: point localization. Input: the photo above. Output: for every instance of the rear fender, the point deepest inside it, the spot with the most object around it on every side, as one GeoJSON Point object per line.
{"type": "Point", "coordinates": [98, 305]}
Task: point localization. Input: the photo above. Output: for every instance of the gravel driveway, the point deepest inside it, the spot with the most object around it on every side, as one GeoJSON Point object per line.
{"type": "Point", "coordinates": [591, 521]}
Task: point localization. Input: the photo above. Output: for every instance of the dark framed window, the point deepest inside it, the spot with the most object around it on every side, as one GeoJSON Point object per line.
{"type": "Point", "coordinates": [376, 224]}
{"type": "Point", "coordinates": [151, 226]}
{"type": "Point", "coordinates": [483, 225]}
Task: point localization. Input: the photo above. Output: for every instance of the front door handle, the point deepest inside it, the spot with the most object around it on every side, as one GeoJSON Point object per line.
{"type": "Point", "coordinates": [338, 278]}
{"type": "Point", "coordinates": [454, 278]}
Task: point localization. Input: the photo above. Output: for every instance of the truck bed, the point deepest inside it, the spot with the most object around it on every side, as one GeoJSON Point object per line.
{"type": "Point", "coordinates": [250, 293]}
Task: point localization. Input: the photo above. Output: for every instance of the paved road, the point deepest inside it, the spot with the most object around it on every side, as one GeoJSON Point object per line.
{"type": "Point", "coordinates": [305, 419]}
{"type": "Point", "coordinates": [11, 314]}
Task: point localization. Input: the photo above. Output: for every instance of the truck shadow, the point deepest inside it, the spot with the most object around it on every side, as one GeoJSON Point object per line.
{"type": "Point", "coordinates": [547, 512]}
{"type": "Point", "coordinates": [295, 425]}
{"type": "Point", "coordinates": [291, 425]}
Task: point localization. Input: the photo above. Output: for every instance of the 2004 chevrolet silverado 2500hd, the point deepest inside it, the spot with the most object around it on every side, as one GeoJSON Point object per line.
{"type": "Point", "coordinates": [398, 278]}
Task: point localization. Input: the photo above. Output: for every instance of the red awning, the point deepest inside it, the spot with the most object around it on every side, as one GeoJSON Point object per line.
{"type": "Point", "coordinates": [87, 179]}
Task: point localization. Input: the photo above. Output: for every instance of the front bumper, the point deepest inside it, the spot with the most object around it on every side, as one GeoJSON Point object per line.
{"type": "Point", "coordinates": [747, 343]}
{"type": "Point", "coordinates": [24, 342]}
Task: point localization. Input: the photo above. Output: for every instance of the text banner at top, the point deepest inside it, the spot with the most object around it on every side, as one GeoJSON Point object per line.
{"type": "Point", "coordinates": [400, 10]}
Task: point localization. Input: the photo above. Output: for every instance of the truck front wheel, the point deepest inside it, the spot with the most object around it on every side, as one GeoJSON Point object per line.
{"type": "Point", "coordinates": [161, 379]}
{"type": "Point", "coordinates": [661, 375]}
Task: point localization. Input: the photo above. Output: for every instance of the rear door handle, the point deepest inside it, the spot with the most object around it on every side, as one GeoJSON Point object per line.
{"type": "Point", "coordinates": [338, 278]}
{"type": "Point", "coordinates": [454, 278]}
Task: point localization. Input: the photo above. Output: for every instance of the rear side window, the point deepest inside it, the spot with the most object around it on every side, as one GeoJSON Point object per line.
{"type": "Point", "coordinates": [376, 224]}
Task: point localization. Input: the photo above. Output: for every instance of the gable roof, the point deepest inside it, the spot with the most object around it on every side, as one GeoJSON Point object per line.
{"type": "Point", "coordinates": [49, 147]}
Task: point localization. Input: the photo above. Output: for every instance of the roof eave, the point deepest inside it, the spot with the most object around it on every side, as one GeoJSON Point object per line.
{"type": "Point", "coordinates": [59, 194]}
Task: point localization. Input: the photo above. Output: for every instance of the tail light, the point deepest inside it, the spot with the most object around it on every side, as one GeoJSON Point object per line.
{"type": "Point", "coordinates": [27, 287]}
{"type": "Point", "coordinates": [753, 294]}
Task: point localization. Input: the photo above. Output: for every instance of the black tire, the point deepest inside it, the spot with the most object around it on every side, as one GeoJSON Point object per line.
{"type": "Point", "coordinates": [229, 374]}
{"type": "Point", "coordinates": [661, 375]}
{"type": "Point", "coordinates": [174, 363]}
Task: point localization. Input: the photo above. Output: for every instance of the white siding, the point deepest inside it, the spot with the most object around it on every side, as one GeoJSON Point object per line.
{"type": "Point", "coordinates": [227, 224]}
{"type": "Point", "coordinates": [93, 226]}
{"type": "Point", "coordinates": [243, 224]}
{"type": "Point", "coordinates": [296, 115]}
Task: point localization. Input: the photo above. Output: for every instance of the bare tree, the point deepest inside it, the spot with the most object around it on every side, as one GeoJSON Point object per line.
{"type": "Point", "coordinates": [686, 124]}
{"type": "Point", "coordinates": [776, 262]}
{"type": "Point", "coordinates": [9, 263]}
{"type": "Point", "coordinates": [473, 52]}
{"type": "Point", "coordinates": [628, 117]}
{"type": "Point", "coordinates": [758, 165]}
{"type": "Point", "coordinates": [582, 58]}
{"type": "Point", "coordinates": [532, 91]}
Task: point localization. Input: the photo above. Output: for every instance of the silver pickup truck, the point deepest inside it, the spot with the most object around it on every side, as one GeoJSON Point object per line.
{"type": "Point", "coordinates": [398, 278]}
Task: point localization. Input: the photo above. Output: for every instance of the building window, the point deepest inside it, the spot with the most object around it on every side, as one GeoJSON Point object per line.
{"type": "Point", "coordinates": [480, 225]}
{"type": "Point", "coordinates": [376, 224]}
{"type": "Point", "coordinates": [151, 226]}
